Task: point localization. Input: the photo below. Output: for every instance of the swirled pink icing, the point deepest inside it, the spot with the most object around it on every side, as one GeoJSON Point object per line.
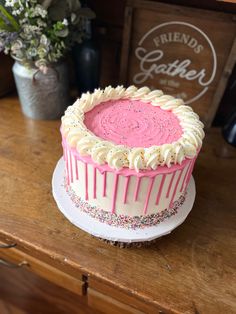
{"type": "Point", "coordinates": [133, 123]}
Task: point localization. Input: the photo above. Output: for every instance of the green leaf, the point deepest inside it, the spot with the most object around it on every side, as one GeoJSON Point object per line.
{"type": "Point", "coordinates": [62, 33]}
{"type": "Point", "coordinates": [10, 18]}
{"type": "Point", "coordinates": [5, 27]}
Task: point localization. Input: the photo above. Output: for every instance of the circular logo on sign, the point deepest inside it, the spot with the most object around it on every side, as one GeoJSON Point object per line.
{"type": "Point", "coordinates": [177, 57]}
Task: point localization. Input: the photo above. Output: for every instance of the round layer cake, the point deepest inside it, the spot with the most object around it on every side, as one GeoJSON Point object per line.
{"type": "Point", "coordinates": [129, 154]}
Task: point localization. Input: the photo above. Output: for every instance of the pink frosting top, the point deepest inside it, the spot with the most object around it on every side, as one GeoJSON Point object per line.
{"type": "Point", "coordinates": [133, 123]}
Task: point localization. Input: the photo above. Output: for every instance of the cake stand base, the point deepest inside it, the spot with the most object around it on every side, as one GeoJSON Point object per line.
{"type": "Point", "coordinates": [111, 233]}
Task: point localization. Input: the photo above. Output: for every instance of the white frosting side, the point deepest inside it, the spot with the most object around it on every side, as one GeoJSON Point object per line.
{"type": "Point", "coordinates": [118, 156]}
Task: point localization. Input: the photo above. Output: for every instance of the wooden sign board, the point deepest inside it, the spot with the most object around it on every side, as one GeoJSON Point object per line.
{"type": "Point", "coordinates": [188, 53]}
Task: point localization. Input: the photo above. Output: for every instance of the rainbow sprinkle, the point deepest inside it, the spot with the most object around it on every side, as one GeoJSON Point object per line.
{"type": "Point", "coordinates": [124, 221]}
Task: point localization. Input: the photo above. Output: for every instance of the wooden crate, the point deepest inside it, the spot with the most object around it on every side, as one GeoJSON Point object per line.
{"type": "Point", "coordinates": [186, 52]}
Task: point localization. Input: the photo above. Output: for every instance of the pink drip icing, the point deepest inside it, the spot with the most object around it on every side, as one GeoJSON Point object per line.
{"type": "Point", "coordinates": [94, 183]}
{"type": "Point", "coordinates": [170, 185]}
{"type": "Point", "coordinates": [160, 188]}
{"type": "Point", "coordinates": [126, 189]}
{"type": "Point", "coordinates": [71, 169]}
{"type": "Point", "coordinates": [185, 176]}
{"type": "Point", "coordinates": [67, 167]}
{"type": "Point", "coordinates": [148, 195]}
{"type": "Point", "coordinates": [189, 174]}
{"type": "Point", "coordinates": [86, 180]}
{"type": "Point", "coordinates": [104, 183]}
{"type": "Point", "coordinates": [175, 189]}
{"type": "Point", "coordinates": [137, 188]}
{"type": "Point", "coordinates": [114, 193]}
{"type": "Point", "coordinates": [64, 157]}
{"type": "Point", "coordinates": [76, 169]}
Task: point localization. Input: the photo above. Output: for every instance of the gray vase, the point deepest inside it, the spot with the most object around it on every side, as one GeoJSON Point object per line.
{"type": "Point", "coordinates": [42, 96]}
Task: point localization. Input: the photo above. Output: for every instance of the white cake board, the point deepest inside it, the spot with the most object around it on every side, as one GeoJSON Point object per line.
{"type": "Point", "coordinates": [103, 230]}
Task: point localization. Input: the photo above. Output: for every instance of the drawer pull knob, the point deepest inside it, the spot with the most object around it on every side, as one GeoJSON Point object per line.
{"type": "Point", "coordinates": [7, 246]}
{"type": "Point", "coordinates": [12, 265]}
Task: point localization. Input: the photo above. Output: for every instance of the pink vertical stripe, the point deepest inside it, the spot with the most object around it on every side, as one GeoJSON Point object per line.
{"type": "Point", "coordinates": [94, 183]}
{"type": "Point", "coordinates": [148, 195]}
{"type": "Point", "coordinates": [71, 169]}
{"type": "Point", "coordinates": [185, 176]}
{"type": "Point", "coordinates": [76, 169]}
{"type": "Point", "coordinates": [86, 180]}
{"type": "Point", "coordinates": [126, 189]}
{"type": "Point", "coordinates": [160, 188]}
{"type": "Point", "coordinates": [170, 185]}
{"type": "Point", "coordinates": [104, 183]}
{"type": "Point", "coordinates": [67, 167]}
{"type": "Point", "coordinates": [64, 157]}
{"type": "Point", "coordinates": [67, 170]}
{"type": "Point", "coordinates": [189, 174]}
{"type": "Point", "coordinates": [137, 189]}
{"type": "Point", "coordinates": [114, 193]}
{"type": "Point", "coordinates": [175, 189]}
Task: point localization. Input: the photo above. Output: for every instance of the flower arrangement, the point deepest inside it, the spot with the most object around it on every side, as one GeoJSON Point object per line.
{"type": "Point", "coordinates": [40, 32]}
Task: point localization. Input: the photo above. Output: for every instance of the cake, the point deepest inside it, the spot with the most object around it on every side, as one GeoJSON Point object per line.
{"type": "Point", "coordinates": [129, 154]}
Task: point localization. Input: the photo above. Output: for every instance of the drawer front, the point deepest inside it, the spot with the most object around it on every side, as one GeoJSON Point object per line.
{"type": "Point", "coordinates": [32, 294]}
{"type": "Point", "coordinates": [108, 305]}
{"type": "Point", "coordinates": [12, 257]}
{"type": "Point", "coordinates": [124, 297]}
{"type": "Point", "coordinates": [53, 259]}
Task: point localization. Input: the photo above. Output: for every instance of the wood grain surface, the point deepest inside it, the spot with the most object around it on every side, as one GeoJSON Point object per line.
{"type": "Point", "coordinates": [192, 270]}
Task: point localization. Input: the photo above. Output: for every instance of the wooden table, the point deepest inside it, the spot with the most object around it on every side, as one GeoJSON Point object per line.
{"type": "Point", "coordinates": [192, 270]}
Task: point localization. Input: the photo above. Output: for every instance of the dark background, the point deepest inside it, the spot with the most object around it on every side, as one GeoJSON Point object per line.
{"type": "Point", "coordinates": [108, 30]}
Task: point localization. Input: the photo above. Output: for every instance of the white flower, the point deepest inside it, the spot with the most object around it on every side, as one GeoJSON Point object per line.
{"type": "Point", "coordinates": [65, 22]}
{"type": "Point", "coordinates": [17, 45]}
{"type": "Point", "coordinates": [41, 23]}
{"type": "Point", "coordinates": [32, 52]}
{"type": "Point", "coordinates": [40, 11]}
{"type": "Point", "coordinates": [42, 51]}
{"type": "Point", "coordinates": [44, 40]}
{"type": "Point", "coordinates": [32, 41]}
{"type": "Point", "coordinates": [17, 11]}
{"type": "Point", "coordinates": [10, 3]}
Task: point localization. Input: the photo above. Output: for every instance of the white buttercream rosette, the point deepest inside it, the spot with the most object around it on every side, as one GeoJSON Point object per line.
{"type": "Point", "coordinates": [118, 156]}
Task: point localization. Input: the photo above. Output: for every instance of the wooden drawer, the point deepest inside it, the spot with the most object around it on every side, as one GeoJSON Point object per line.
{"type": "Point", "coordinates": [107, 304]}
{"type": "Point", "coordinates": [99, 296]}
{"type": "Point", "coordinates": [33, 294]}
{"type": "Point", "coordinates": [47, 257]}
{"type": "Point", "coordinates": [20, 259]}
{"type": "Point", "coordinates": [103, 296]}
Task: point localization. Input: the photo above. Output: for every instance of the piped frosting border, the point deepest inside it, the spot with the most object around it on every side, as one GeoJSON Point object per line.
{"type": "Point", "coordinates": [119, 156]}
